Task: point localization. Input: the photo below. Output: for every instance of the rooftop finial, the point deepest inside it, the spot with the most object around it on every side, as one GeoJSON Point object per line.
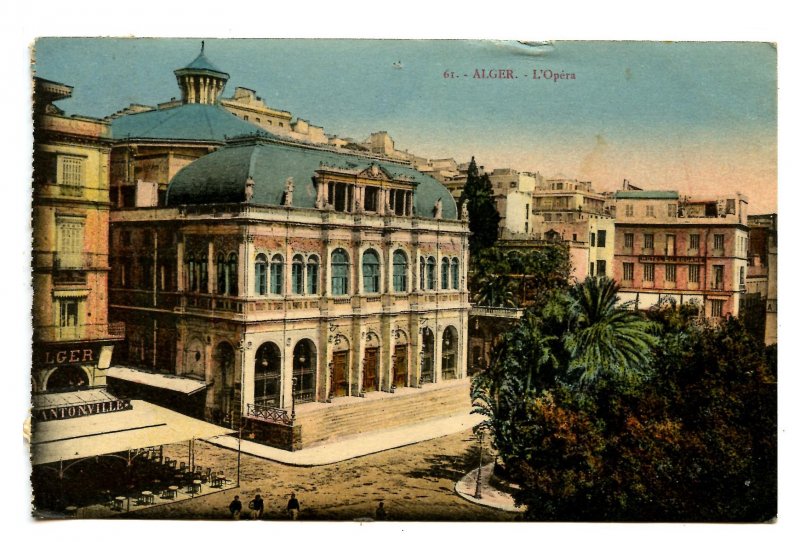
{"type": "Point", "coordinates": [202, 45]}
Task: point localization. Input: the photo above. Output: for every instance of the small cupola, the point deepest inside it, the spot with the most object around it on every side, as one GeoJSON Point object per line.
{"type": "Point", "coordinates": [201, 82]}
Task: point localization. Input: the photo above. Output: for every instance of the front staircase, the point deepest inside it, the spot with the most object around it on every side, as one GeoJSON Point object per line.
{"type": "Point", "coordinates": [320, 423]}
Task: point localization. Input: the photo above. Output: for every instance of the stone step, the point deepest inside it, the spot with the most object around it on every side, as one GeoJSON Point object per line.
{"type": "Point", "coordinates": [383, 411]}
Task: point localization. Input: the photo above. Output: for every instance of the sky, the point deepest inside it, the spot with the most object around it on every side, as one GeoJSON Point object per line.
{"type": "Point", "coordinates": [692, 116]}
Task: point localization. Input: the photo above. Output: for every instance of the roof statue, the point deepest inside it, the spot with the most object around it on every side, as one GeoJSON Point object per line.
{"type": "Point", "coordinates": [289, 192]}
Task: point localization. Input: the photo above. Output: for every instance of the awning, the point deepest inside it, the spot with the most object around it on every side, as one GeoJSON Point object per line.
{"type": "Point", "coordinates": [168, 382]}
{"type": "Point", "coordinates": [144, 425]}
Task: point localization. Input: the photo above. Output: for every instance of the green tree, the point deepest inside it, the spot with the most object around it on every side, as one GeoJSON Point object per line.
{"type": "Point", "coordinates": [605, 340]}
{"type": "Point", "coordinates": [483, 216]}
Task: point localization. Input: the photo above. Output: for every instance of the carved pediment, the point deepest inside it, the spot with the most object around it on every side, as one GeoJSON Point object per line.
{"type": "Point", "coordinates": [376, 173]}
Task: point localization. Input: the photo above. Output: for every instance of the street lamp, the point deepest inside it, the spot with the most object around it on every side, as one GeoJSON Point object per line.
{"type": "Point", "coordinates": [479, 480]}
{"type": "Point", "coordinates": [294, 386]}
{"type": "Point", "coordinates": [265, 365]}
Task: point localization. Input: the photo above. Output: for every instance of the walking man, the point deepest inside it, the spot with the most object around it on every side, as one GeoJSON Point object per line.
{"type": "Point", "coordinates": [235, 507]}
{"type": "Point", "coordinates": [380, 513]}
{"type": "Point", "coordinates": [293, 507]}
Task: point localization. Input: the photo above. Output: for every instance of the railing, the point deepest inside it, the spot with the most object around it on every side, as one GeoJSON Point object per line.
{"type": "Point", "coordinates": [111, 331]}
{"type": "Point", "coordinates": [497, 312]}
{"type": "Point", "coordinates": [79, 260]}
{"type": "Point", "coordinates": [269, 414]}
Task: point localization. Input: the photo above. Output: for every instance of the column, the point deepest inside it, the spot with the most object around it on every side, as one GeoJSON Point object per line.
{"type": "Point", "coordinates": [242, 269]}
{"type": "Point", "coordinates": [212, 269]}
{"type": "Point", "coordinates": [180, 256]}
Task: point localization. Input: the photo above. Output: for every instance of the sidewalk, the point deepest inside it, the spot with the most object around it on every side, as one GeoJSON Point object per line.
{"type": "Point", "coordinates": [356, 446]}
{"type": "Point", "coordinates": [490, 495]}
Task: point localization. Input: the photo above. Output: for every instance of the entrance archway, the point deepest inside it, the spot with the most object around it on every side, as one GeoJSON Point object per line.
{"type": "Point", "coordinates": [67, 378]}
{"type": "Point", "coordinates": [267, 375]}
{"type": "Point", "coordinates": [304, 370]}
{"type": "Point", "coordinates": [339, 380]}
{"type": "Point", "coordinates": [224, 387]}
{"type": "Point", "coordinates": [449, 353]}
{"type": "Point", "coordinates": [370, 370]}
{"type": "Point", "coordinates": [428, 346]}
{"type": "Point", "coordinates": [400, 361]}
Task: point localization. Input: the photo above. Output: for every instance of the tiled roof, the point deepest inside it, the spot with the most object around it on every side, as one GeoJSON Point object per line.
{"type": "Point", "coordinates": [646, 194]}
{"type": "Point", "coordinates": [188, 122]}
{"type": "Point", "coordinates": [220, 177]}
{"type": "Point", "coordinates": [202, 63]}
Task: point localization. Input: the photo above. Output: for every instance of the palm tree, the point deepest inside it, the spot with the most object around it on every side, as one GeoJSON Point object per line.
{"type": "Point", "coordinates": [494, 290]}
{"type": "Point", "coordinates": [605, 339]}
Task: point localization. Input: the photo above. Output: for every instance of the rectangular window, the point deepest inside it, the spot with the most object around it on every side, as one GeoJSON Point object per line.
{"type": "Point", "coordinates": [628, 240]}
{"type": "Point", "coordinates": [650, 211]}
{"type": "Point", "coordinates": [719, 271]}
{"type": "Point", "coordinates": [672, 209]}
{"type": "Point", "coordinates": [527, 210]}
{"type": "Point", "coordinates": [669, 245]}
{"type": "Point", "coordinates": [716, 308]}
{"type": "Point", "coordinates": [311, 277]}
{"type": "Point", "coordinates": [741, 276]}
{"type": "Point", "coordinates": [601, 238]}
{"type": "Point", "coordinates": [627, 271]}
{"type": "Point", "coordinates": [70, 242]}
{"type": "Point", "coordinates": [68, 318]}
{"type": "Point", "coordinates": [649, 272]}
{"type": "Point", "coordinates": [694, 241]}
{"type": "Point", "coordinates": [71, 170]}
{"type": "Point", "coordinates": [628, 210]}
{"type": "Point", "coordinates": [371, 198]}
{"type": "Point", "coordinates": [694, 273]}
{"type": "Point", "coordinates": [648, 240]}
{"type": "Point", "coordinates": [670, 272]}
{"type": "Point", "coordinates": [591, 269]}
{"type": "Point", "coordinates": [719, 241]}
{"type": "Point", "coordinates": [593, 238]}
{"type": "Point", "coordinates": [601, 268]}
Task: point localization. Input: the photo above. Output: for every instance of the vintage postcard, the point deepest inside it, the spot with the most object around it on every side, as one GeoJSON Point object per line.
{"type": "Point", "coordinates": [404, 280]}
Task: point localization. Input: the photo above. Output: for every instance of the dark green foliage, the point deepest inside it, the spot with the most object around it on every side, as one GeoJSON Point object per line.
{"type": "Point", "coordinates": [505, 278]}
{"type": "Point", "coordinates": [483, 216]}
{"type": "Point", "coordinates": [646, 419]}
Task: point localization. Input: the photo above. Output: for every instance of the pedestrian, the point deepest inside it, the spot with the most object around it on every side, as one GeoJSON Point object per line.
{"type": "Point", "coordinates": [257, 506]}
{"type": "Point", "coordinates": [235, 507]}
{"type": "Point", "coordinates": [380, 513]}
{"type": "Point", "coordinates": [293, 507]}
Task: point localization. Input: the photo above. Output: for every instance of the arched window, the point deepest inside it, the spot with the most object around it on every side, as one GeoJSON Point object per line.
{"type": "Point", "coordinates": [233, 275]}
{"type": "Point", "coordinates": [221, 271]}
{"type": "Point", "coordinates": [371, 272]}
{"type": "Point", "coordinates": [430, 274]}
{"type": "Point", "coordinates": [445, 274]}
{"type": "Point", "coordinates": [455, 283]}
{"type": "Point", "coordinates": [267, 375]}
{"type": "Point", "coordinates": [312, 275]}
{"type": "Point", "coordinates": [261, 274]}
{"type": "Point", "coordinates": [203, 273]}
{"type": "Point", "coordinates": [276, 275]}
{"type": "Point", "coordinates": [297, 275]}
{"type": "Point", "coordinates": [399, 271]}
{"type": "Point", "coordinates": [422, 273]}
{"type": "Point", "coordinates": [340, 264]}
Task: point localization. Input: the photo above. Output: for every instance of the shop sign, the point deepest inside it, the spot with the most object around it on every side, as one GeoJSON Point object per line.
{"type": "Point", "coordinates": [66, 412]}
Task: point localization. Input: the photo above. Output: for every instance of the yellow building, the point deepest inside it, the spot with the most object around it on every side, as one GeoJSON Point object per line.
{"type": "Point", "coordinates": [73, 341]}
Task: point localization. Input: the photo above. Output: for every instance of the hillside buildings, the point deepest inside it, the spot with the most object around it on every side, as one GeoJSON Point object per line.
{"type": "Point", "coordinates": [762, 275]}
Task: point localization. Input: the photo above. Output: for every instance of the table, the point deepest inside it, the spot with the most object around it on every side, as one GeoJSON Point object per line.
{"type": "Point", "coordinates": [71, 511]}
{"type": "Point", "coordinates": [170, 493]}
{"type": "Point", "coordinates": [196, 486]}
{"type": "Point", "coordinates": [119, 503]}
{"type": "Point", "coordinates": [148, 497]}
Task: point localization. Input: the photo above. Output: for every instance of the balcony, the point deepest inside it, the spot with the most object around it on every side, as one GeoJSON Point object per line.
{"type": "Point", "coordinates": [114, 331]}
{"type": "Point", "coordinates": [79, 260]}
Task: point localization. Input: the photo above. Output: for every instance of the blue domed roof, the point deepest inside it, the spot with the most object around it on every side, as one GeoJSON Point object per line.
{"type": "Point", "coordinates": [188, 122]}
{"type": "Point", "coordinates": [220, 177]}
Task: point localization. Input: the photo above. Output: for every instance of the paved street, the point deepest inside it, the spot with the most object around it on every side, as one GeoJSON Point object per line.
{"type": "Point", "coordinates": [416, 482]}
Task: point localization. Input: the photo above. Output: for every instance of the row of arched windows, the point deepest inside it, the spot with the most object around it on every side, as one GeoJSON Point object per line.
{"type": "Point", "coordinates": [449, 278]}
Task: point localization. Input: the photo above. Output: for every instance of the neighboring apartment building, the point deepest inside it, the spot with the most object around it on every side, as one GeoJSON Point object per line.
{"type": "Point", "coordinates": [72, 339]}
{"type": "Point", "coordinates": [561, 210]}
{"type": "Point", "coordinates": [762, 275]}
{"type": "Point", "coordinates": [686, 249]}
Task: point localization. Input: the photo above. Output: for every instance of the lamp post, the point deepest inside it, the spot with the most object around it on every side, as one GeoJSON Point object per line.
{"type": "Point", "coordinates": [479, 480]}
{"type": "Point", "coordinates": [265, 365]}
